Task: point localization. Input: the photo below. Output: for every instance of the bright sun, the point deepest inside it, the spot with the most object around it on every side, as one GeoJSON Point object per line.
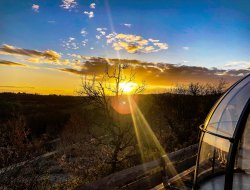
{"type": "Point", "coordinates": [127, 87]}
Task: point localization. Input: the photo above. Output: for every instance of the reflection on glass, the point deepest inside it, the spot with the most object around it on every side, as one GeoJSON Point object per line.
{"type": "Point", "coordinates": [213, 155]}
{"type": "Point", "coordinates": [243, 161]}
{"type": "Point", "coordinates": [214, 150]}
{"type": "Point", "coordinates": [226, 115]}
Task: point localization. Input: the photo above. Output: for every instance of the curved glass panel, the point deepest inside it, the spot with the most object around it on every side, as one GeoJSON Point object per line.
{"type": "Point", "coordinates": [242, 163]}
{"type": "Point", "coordinates": [225, 117]}
{"type": "Point", "coordinates": [213, 155]}
{"type": "Point", "coordinates": [241, 178]}
{"type": "Point", "coordinates": [214, 150]}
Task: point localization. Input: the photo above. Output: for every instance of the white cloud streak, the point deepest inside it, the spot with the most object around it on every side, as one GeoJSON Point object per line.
{"type": "Point", "coordinates": [90, 14]}
{"type": "Point", "coordinates": [83, 32]}
{"type": "Point", "coordinates": [84, 42]}
{"type": "Point", "coordinates": [70, 43]}
{"type": "Point", "coordinates": [51, 21]}
{"type": "Point", "coordinates": [68, 4]}
{"type": "Point", "coordinates": [186, 48]}
{"type": "Point", "coordinates": [238, 65]}
{"type": "Point", "coordinates": [127, 25]}
{"type": "Point", "coordinates": [35, 8]}
{"type": "Point", "coordinates": [92, 5]}
{"type": "Point", "coordinates": [101, 32]}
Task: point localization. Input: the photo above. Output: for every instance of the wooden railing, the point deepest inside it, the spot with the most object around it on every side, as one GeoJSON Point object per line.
{"type": "Point", "coordinates": [148, 175]}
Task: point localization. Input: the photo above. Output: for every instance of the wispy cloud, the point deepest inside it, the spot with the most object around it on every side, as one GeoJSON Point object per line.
{"type": "Point", "coordinates": [90, 14]}
{"type": "Point", "coordinates": [101, 32]}
{"type": "Point", "coordinates": [83, 32]}
{"type": "Point", "coordinates": [11, 50]}
{"type": "Point", "coordinates": [35, 8]}
{"type": "Point", "coordinates": [39, 60]}
{"type": "Point", "coordinates": [84, 42]}
{"type": "Point", "coordinates": [11, 86]}
{"type": "Point", "coordinates": [11, 63]}
{"type": "Point", "coordinates": [51, 21]}
{"type": "Point", "coordinates": [34, 56]}
{"type": "Point", "coordinates": [238, 65]}
{"type": "Point", "coordinates": [185, 47]}
{"type": "Point", "coordinates": [153, 40]}
{"type": "Point", "coordinates": [70, 43]}
{"type": "Point", "coordinates": [75, 55]}
{"type": "Point", "coordinates": [127, 25]}
{"type": "Point", "coordinates": [98, 37]}
{"type": "Point", "coordinates": [92, 5]}
{"type": "Point", "coordinates": [68, 4]}
{"type": "Point", "coordinates": [134, 44]}
{"type": "Point", "coordinates": [185, 61]}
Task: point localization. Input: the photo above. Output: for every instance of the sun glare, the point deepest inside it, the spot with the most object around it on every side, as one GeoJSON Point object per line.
{"type": "Point", "coordinates": [146, 137]}
{"type": "Point", "coordinates": [128, 87]}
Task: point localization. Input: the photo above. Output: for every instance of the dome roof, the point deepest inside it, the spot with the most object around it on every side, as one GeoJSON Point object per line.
{"type": "Point", "coordinates": [224, 116]}
{"type": "Point", "coordinates": [223, 134]}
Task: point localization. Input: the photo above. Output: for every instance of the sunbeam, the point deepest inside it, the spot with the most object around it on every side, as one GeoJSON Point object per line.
{"type": "Point", "coordinates": [147, 141]}
{"type": "Point", "coordinates": [111, 25]}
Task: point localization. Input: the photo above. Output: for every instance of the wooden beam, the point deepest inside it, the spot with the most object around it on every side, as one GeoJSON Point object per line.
{"type": "Point", "coordinates": [148, 173]}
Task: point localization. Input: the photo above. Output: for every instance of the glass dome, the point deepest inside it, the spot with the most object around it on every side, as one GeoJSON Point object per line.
{"type": "Point", "coordinates": [223, 160]}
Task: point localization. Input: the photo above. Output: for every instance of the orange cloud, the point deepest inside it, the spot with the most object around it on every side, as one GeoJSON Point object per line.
{"type": "Point", "coordinates": [10, 63]}
{"type": "Point", "coordinates": [34, 56]}
{"type": "Point", "coordinates": [134, 44]}
{"type": "Point", "coordinates": [11, 50]}
{"type": "Point", "coordinates": [164, 74]}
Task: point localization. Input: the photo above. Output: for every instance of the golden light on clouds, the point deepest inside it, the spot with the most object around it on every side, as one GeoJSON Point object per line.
{"type": "Point", "coordinates": [21, 67]}
{"type": "Point", "coordinates": [134, 44]}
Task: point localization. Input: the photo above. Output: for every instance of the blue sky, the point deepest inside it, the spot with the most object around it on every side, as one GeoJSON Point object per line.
{"type": "Point", "coordinates": [216, 32]}
{"type": "Point", "coordinates": [193, 33]}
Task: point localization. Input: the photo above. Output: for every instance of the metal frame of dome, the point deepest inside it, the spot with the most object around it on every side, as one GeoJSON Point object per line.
{"type": "Point", "coordinates": [234, 140]}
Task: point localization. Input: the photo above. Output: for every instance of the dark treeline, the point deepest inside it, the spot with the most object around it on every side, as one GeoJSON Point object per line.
{"type": "Point", "coordinates": [44, 114]}
{"type": "Point", "coordinates": [174, 117]}
{"type": "Point", "coordinates": [96, 140]}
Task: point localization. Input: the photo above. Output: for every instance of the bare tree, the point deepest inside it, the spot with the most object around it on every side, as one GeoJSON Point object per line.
{"type": "Point", "coordinates": [15, 145]}
{"type": "Point", "coordinates": [195, 89]}
{"type": "Point", "coordinates": [107, 95]}
{"type": "Point", "coordinates": [221, 87]}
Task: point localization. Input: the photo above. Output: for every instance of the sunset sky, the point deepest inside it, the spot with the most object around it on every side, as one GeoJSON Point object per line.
{"type": "Point", "coordinates": [47, 45]}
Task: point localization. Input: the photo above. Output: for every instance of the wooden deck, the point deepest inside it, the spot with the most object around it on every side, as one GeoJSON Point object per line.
{"type": "Point", "coordinates": [153, 175]}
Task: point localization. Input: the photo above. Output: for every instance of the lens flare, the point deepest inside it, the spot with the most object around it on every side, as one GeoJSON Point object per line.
{"type": "Point", "coordinates": [146, 138]}
{"type": "Point", "coordinates": [144, 134]}
{"type": "Point", "coordinates": [121, 104]}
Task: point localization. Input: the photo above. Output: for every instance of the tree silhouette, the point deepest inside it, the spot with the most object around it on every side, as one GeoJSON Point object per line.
{"type": "Point", "coordinates": [106, 94]}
